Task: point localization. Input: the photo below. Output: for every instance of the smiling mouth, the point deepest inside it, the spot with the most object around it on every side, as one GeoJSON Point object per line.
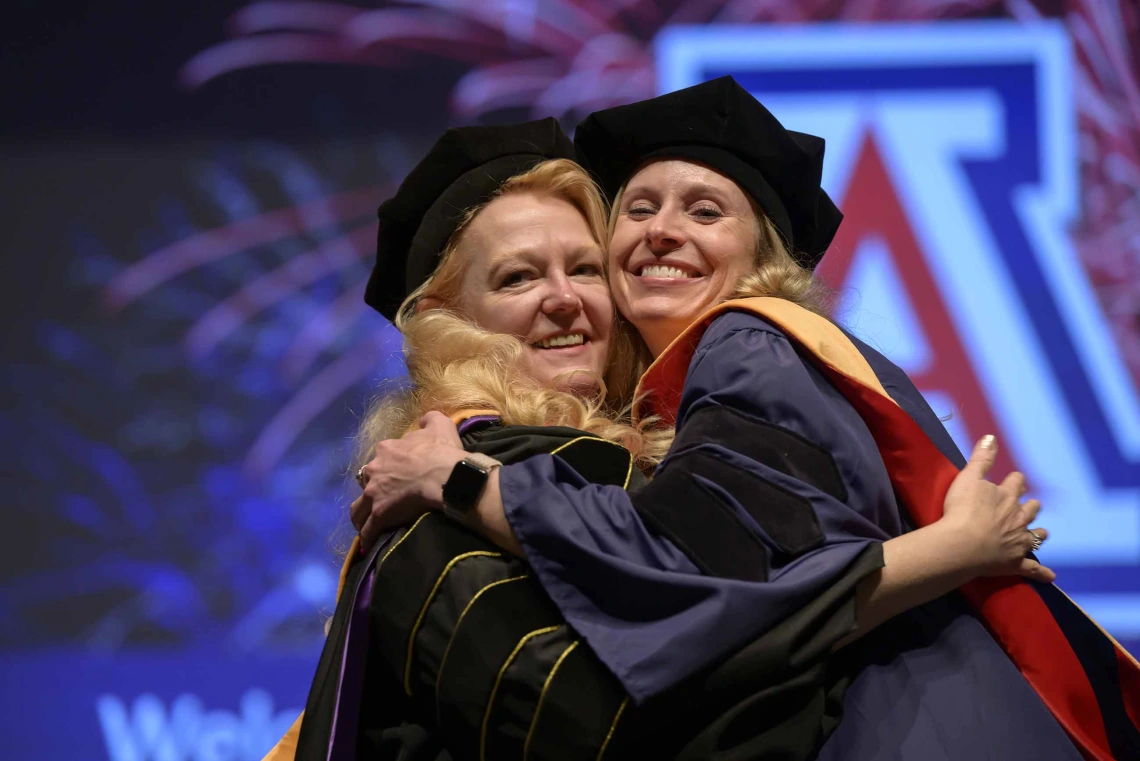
{"type": "Point", "coordinates": [665, 272]}
{"type": "Point", "coordinates": [561, 342]}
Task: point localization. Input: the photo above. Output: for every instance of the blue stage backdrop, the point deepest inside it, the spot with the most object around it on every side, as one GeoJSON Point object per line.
{"type": "Point", "coordinates": [189, 200]}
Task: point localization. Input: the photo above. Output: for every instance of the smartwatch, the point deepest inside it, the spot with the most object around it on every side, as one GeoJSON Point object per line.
{"type": "Point", "coordinates": [467, 480]}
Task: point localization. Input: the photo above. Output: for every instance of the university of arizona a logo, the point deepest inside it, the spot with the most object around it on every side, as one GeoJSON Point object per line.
{"type": "Point", "coordinates": [952, 150]}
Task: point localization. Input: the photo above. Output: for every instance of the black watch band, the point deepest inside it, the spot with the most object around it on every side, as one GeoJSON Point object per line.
{"type": "Point", "coordinates": [467, 480]}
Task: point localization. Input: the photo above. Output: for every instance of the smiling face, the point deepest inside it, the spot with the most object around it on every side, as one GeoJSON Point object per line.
{"type": "Point", "coordinates": [535, 271]}
{"type": "Point", "coordinates": [684, 235]}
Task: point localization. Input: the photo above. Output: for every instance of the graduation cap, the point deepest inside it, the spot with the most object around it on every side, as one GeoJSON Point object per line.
{"type": "Point", "coordinates": [720, 124]}
{"type": "Point", "coordinates": [465, 168]}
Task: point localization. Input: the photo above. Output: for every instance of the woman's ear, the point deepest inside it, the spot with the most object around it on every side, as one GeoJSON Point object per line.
{"type": "Point", "coordinates": [425, 302]}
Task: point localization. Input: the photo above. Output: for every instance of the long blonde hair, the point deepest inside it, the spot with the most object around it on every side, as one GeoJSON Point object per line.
{"type": "Point", "coordinates": [454, 365]}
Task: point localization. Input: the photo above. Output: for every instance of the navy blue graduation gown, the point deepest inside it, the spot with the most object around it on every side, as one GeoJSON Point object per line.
{"type": "Point", "coordinates": [773, 446]}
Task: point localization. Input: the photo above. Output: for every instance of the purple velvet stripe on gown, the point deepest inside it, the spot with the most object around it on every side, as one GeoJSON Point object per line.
{"type": "Point", "coordinates": [467, 424]}
{"type": "Point", "coordinates": [350, 685]}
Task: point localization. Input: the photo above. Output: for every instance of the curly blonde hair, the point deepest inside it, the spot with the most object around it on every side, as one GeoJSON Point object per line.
{"type": "Point", "coordinates": [454, 365]}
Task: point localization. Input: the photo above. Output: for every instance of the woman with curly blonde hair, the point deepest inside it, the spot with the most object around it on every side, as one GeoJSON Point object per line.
{"type": "Point", "coordinates": [459, 359]}
{"type": "Point", "coordinates": [491, 264]}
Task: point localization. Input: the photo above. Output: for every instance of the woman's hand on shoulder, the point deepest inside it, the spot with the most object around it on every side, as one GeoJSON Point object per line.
{"type": "Point", "coordinates": [405, 477]}
{"type": "Point", "coordinates": [990, 522]}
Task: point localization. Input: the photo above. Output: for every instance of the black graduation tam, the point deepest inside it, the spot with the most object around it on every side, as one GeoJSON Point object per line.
{"type": "Point", "coordinates": [463, 169]}
{"type": "Point", "coordinates": [720, 124]}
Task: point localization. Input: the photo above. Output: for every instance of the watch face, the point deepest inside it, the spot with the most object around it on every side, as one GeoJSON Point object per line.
{"type": "Point", "coordinates": [464, 486]}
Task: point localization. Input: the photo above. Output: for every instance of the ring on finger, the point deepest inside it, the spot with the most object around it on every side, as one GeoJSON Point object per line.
{"type": "Point", "coordinates": [1038, 540]}
{"type": "Point", "coordinates": [360, 477]}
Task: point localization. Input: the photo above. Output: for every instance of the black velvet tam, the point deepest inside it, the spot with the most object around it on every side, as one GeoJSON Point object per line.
{"type": "Point", "coordinates": [720, 124]}
{"type": "Point", "coordinates": [462, 170]}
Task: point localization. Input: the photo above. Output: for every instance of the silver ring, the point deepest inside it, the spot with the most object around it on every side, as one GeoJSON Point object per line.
{"type": "Point", "coordinates": [360, 479]}
{"type": "Point", "coordinates": [1037, 540]}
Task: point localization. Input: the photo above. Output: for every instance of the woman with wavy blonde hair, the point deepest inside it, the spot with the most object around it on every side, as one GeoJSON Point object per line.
{"type": "Point", "coordinates": [491, 264]}
{"type": "Point", "coordinates": [459, 361]}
